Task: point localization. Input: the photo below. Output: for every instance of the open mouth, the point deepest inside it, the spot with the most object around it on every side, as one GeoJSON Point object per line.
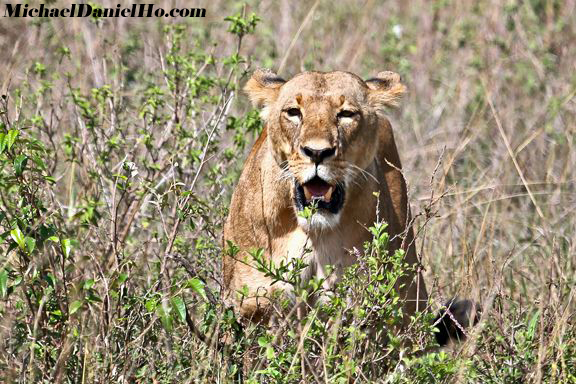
{"type": "Point", "coordinates": [324, 195]}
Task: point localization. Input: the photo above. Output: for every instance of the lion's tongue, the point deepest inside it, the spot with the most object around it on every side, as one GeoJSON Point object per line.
{"type": "Point", "coordinates": [317, 189]}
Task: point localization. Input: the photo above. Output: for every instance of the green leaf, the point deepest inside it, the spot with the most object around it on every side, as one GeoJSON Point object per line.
{"type": "Point", "coordinates": [122, 278]}
{"type": "Point", "coordinates": [179, 307]}
{"type": "Point", "coordinates": [270, 352]}
{"type": "Point", "coordinates": [11, 137]}
{"type": "Point", "coordinates": [18, 237]}
{"type": "Point", "coordinates": [88, 284]}
{"type": "Point", "coordinates": [20, 164]}
{"type": "Point", "coordinates": [30, 244]}
{"type": "Point", "coordinates": [51, 279]}
{"type": "Point", "coordinates": [263, 341]}
{"type": "Point", "coordinates": [68, 245]}
{"type": "Point", "coordinates": [92, 298]}
{"type": "Point", "coordinates": [3, 142]}
{"type": "Point", "coordinates": [39, 162]}
{"type": "Point", "coordinates": [16, 282]}
{"type": "Point", "coordinates": [3, 283]}
{"type": "Point", "coordinates": [197, 286]}
{"type": "Point", "coordinates": [531, 330]}
{"type": "Point", "coordinates": [75, 306]}
{"type": "Point", "coordinates": [151, 305]}
{"type": "Point", "coordinates": [165, 317]}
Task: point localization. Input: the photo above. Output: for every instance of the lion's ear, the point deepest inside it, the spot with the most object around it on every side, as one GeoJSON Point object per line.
{"type": "Point", "coordinates": [385, 90]}
{"type": "Point", "coordinates": [263, 87]}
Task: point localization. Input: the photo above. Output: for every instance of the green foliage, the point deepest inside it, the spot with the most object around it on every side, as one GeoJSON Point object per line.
{"type": "Point", "coordinates": [100, 213]}
{"type": "Point", "coordinates": [240, 25]}
{"type": "Point", "coordinates": [349, 329]}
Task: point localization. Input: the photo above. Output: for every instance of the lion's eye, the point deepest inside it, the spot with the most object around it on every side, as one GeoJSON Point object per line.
{"type": "Point", "coordinates": [294, 115]}
{"type": "Point", "coordinates": [293, 112]}
{"type": "Point", "coordinates": [346, 113]}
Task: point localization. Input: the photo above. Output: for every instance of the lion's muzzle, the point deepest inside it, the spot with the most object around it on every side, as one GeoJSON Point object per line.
{"type": "Point", "coordinates": [326, 196]}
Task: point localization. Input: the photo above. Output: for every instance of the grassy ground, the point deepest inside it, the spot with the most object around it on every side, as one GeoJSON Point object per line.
{"type": "Point", "coordinates": [121, 140]}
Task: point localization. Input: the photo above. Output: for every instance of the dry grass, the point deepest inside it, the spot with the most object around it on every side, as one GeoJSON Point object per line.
{"type": "Point", "coordinates": [486, 136]}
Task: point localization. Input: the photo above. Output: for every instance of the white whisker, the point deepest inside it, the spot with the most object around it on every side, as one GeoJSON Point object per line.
{"type": "Point", "coordinates": [363, 172]}
{"type": "Point", "coordinates": [352, 176]}
{"type": "Point", "coordinates": [285, 173]}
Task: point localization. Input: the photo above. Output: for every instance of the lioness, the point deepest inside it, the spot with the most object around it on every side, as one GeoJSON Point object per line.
{"type": "Point", "coordinates": [326, 140]}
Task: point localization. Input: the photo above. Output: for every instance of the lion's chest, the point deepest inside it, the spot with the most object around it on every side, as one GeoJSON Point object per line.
{"type": "Point", "coordinates": [326, 256]}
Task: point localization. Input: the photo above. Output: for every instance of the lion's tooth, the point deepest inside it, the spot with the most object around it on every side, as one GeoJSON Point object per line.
{"type": "Point", "coordinates": [328, 195]}
{"type": "Point", "coordinates": [307, 194]}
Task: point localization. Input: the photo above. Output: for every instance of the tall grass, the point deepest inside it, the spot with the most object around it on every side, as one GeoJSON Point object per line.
{"type": "Point", "coordinates": [121, 141]}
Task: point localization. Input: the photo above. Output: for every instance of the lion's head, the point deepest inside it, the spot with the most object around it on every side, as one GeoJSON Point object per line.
{"type": "Point", "coordinates": [322, 132]}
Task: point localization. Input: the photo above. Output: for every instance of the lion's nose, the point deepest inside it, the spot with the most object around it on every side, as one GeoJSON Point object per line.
{"type": "Point", "coordinates": [318, 155]}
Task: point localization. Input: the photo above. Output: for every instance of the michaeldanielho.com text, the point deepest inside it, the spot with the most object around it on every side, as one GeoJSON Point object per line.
{"type": "Point", "coordinates": [86, 10]}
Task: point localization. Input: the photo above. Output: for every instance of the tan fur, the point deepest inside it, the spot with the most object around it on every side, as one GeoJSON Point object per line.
{"type": "Point", "coordinates": [263, 213]}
